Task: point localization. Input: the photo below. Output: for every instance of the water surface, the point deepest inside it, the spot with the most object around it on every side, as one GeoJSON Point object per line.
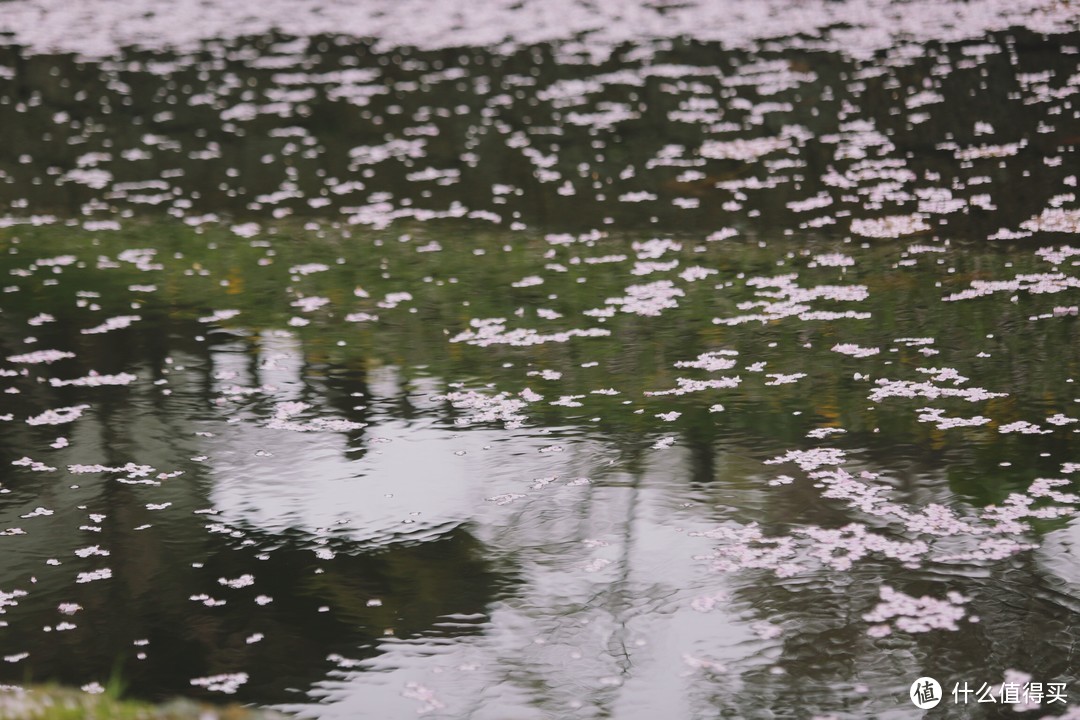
{"type": "Point", "coordinates": [689, 380]}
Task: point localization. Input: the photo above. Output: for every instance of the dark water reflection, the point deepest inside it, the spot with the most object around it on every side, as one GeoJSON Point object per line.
{"type": "Point", "coordinates": [330, 128]}
{"type": "Point", "coordinates": [407, 552]}
{"type": "Point", "coordinates": [523, 592]}
{"type": "Point", "coordinates": [151, 619]}
{"type": "Point", "coordinates": [317, 595]}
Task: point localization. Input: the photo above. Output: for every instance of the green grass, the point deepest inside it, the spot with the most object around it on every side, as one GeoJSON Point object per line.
{"type": "Point", "coordinates": [55, 703]}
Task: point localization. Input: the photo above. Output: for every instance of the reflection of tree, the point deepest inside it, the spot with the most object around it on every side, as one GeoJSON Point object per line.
{"type": "Point", "coordinates": [825, 654]}
{"type": "Point", "coordinates": [146, 600]}
{"type": "Point", "coordinates": [1032, 365]}
{"type": "Point", "coordinates": [329, 595]}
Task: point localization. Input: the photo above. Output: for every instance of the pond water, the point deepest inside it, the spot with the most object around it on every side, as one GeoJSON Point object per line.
{"type": "Point", "coordinates": [652, 367]}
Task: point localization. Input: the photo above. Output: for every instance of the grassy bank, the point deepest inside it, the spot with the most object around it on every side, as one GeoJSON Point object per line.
{"type": "Point", "coordinates": [54, 703]}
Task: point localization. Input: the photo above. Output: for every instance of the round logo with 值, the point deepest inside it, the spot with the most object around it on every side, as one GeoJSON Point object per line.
{"type": "Point", "coordinates": [925, 693]}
